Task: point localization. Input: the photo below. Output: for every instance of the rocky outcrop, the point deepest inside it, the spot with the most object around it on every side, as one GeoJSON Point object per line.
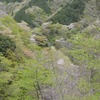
{"type": "Point", "coordinates": [60, 43]}
{"type": "Point", "coordinates": [3, 14]}
{"type": "Point", "coordinates": [24, 26]}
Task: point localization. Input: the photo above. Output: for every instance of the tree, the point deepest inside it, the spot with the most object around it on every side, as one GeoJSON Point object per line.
{"type": "Point", "coordinates": [6, 44]}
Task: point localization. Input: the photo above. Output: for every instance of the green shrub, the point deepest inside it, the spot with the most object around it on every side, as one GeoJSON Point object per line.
{"type": "Point", "coordinates": [42, 4]}
{"type": "Point", "coordinates": [6, 44]}
{"type": "Point", "coordinates": [8, 1]}
{"type": "Point", "coordinates": [21, 15]}
{"type": "Point", "coordinates": [70, 13]}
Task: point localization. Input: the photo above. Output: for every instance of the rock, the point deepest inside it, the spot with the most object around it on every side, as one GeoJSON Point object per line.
{"type": "Point", "coordinates": [75, 25]}
{"type": "Point", "coordinates": [2, 14]}
{"type": "Point", "coordinates": [24, 26]}
{"type": "Point", "coordinates": [32, 38]}
{"type": "Point", "coordinates": [60, 40]}
{"type": "Point", "coordinates": [46, 25]}
{"type": "Point", "coordinates": [71, 26]}
{"type": "Point", "coordinates": [60, 62]}
{"type": "Point", "coordinates": [59, 43]}
{"type": "Point", "coordinates": [2, 6]}
{"type": "Point", "coordinates": [47, 94]}
{"type": "Point", "coordinates": [97, 22]}
{"type": "Point", "coordinates": [93, 29]}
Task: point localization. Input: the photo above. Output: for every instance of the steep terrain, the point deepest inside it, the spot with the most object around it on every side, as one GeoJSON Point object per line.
{"type": "Point", "coordinates": [49, 49]}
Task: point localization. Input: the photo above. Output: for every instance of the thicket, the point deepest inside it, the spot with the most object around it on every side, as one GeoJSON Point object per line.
{"type": "Point", "coordinates": [6, 44]}
{"type": "Point", "coordinates": [21, 77]}
{"type": "Point", "coordinates": [24, 80]}
{"type": "Point", "coordinates": [85, 53]}
{"type": "Point", "coordinates": [70, 12]}
{"type": "Point", "coordinates": [21, 15]}
{"type": "Point", "coordinates": [42, 4]}
{"type": "Point", "coordinates": [8, 1]}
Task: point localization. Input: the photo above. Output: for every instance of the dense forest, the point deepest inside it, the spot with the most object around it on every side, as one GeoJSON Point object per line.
{"type": "Point", "coordinates": [71, 12]}
{"type": "Point", "coordinates": [49, 50]}
{"type": "Point", "coordinates": [8, 1]}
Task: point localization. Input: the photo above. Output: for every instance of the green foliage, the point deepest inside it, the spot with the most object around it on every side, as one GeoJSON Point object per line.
{"type": "Point", "coordinates": [6, 44]}
{"type": "Point", "coordinates": [26, 78]}
{"type": "Point", "coordinates": [41, 40]}
{"type": "Point", "coordinates": [42, 4]}
{"type": "Point", "coordinates": [70, 12]}
{"type": "Point", "coordinates": [4, 63]}
{"type": "Point", "coordinates": [21, 15]}
{"type": "Point", "coordinates": [7, 75]}
{"type": "Point", "coordinates": [85, 53]}
{"type": "Point", "coordinates": [22, 81]}
{"type": "Point", "coordinates": [83, 86]}
{"type": "Point", "coordinates": [20, 35]}
{"type": "Point", "coordinates": [8, 1]}
{"type": "Point", "coordinates": [85, 50]}
{"type": "Point", "coordinates": [11, 23]}
{"type": "Point", "coordinates": [21, 77]}
{"type": "Point", "coordinates": [98, 4]}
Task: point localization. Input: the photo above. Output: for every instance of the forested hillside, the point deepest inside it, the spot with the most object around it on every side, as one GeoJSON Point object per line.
{"type": "Point", "coordinates": [8, 1]}
{"type": "Point", "coordinates": [71, 12]}
{"type": "Point", "coordinates": [49, 49]}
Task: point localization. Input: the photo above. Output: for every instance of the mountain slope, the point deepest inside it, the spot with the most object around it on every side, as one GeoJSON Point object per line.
{"type": "Point", "coordinates": [51, 51]}
{"type": "Point", "coordinates": [70, 12]}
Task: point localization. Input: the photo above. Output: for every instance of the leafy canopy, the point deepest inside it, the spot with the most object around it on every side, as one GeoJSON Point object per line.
{"type": "Point", "coordinates": [6, 43]}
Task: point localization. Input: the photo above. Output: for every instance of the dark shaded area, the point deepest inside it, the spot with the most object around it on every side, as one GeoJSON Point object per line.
{"type": "Point", "coordinates": [21, 15]}
{"type": "Point", "coordinates": [8, 1]}
{"type": "Point", "coordinates": [42, 4]}
{"type": "Point", "coordinates": [6, 44]}
{"type": "Point", "coordinates": [98, 4]}
{"type": "Point", "coordinates": [70, 13]}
